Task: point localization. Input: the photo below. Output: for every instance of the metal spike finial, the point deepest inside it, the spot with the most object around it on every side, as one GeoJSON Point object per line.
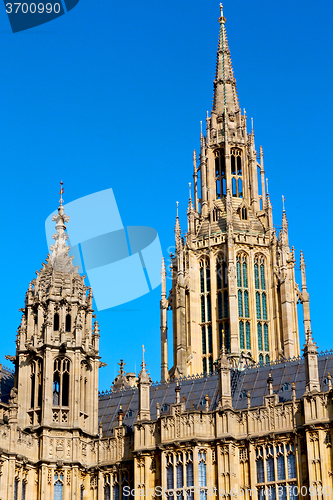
{"type": "Point", "coordinates": [61, 192]}
{"type": "Point", "coordinates": [189, 186]}
{"type": "Point", "coordinates": [177, 202]}
{"type": "Point", "coordinates": [267, 185]}
{"type": "Point", "coordinates": [221, 8]}
{"type": "Point", "coordinates": [283, 200]}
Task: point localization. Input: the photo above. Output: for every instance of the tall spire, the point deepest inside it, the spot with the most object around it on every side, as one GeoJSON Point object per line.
{"type": "Point", "coordinates": [177, 232]}
{"type": "Point", "coordinates": [59, 258]}
{"type": "Point", "coordinates": [225, 93]}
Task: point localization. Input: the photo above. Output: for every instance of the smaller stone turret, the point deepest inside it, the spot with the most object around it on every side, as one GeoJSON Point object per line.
{"type": "Point", "coordinates": [224, 367]}
{"type": "Point", "coordinates": [311, 364]}
{"type": "Point", "coordinates": [144, 383]}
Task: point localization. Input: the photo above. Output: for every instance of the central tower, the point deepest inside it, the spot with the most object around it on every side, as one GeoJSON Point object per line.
{"type": "Point", "coordinates": [233, 280]}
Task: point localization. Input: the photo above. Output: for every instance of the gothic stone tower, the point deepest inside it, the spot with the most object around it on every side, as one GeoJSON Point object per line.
{"type": "Point", "coordinates": [233, 278]}
{"type": "Point", "coordinates": [57, 355]}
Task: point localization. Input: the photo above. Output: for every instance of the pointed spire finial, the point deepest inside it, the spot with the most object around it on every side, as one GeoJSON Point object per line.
{"type": "Point", "coordinates": [190, 185]}
{"type": "Point", "coordinates": [221, 8]}
{"type": "Point", "coordinates": [283, 200]}
{"type": "Point", "coordinates": [177, 203]}
{"type": "Point", "coordinates": [267, 185]}
{"type": "Point", "coordinates": [252, 126]}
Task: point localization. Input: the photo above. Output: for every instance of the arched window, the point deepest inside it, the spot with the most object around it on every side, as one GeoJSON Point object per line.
{"type": "Point", "coordinates": [56, 322]}
{"type": "Point", "coordinates": [236, 173]}
{"type": "Point", "coordinates": [58, 485]}
{"type": "Point", "coordinates": [241, 335]}
{"type": "Point", "coordinates": [220, 173]}
{"type": "Point", "coordinates": [259, 330]}
{"type": "Point", "coordinates": [36, 384]}
{"type": "Point", "coordinates": [61, 382]}
{"type": "Point", "coordinates": [202, 468]}
{"type": "Point", "coordinates": [68, 323]}
{"type": "Point", "coordinates": [243, 301]}
{"type": "Point", "coordinates": [206, 310]}
{"type": "Point", "coordinates": [189, 469]}
{"type": "Point", "coordinates": [107, 490]}
{"type": "Point", "coordinates": [169, 466]}
{"type": "Point", "coordinates": [115, 488]}
{"type": "Point", "coordinates": [179, 471]}
{"type": "Point", "coordinates": [261, 360]}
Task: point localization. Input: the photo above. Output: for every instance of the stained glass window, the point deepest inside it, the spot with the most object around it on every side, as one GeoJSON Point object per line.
{"type": "Point", "coordinates": [261, 360]}
{"type": "Point", "coordinates": [58, 486]}
{"type": "Point", "coordinates": [264, 306]}
{"type": "Point", "coordinates": [291, 466]}
{"type": "Point", "coordinates": [240, 303]}
{"type": "Point", "coordinates": [202, 474]}
{"type": "Point", "coordinates": [24, 488]}
{"type": "Point", "coordinates": [220, 305]}
{"type": "Point", "coordinates": [209, 308]}
{"type": "Point", "coordinates": [179, 475]}
{"type": "Point", "coordinates": [245, 285]}
{"type": "Point", "coordinates": [260, 471]}
{"type": "Point", "coordinates": [270, 469]}
{"type": "Point", "coordinates": [256, 276]}
{"type": "Point", "coordinates": [246, 304]}
{"type": "Point", "coordinates": [239, 277]}
{"type": "Point", "coordinates": [259, 330]}
{"type": "Point", "coordinates": [202, 308]}
{"type": "Point", "coordinates": [106, 492]}
{"type": "Point", "coordinates": [189, 474]}
{"type": "Point", "coordinates": [266, 341]}
{"type": "Point", "coordinates": [227, 334]}
{"type": "Point", "coordinates": [204, 345]}
{"type": "Point", "coordinates": [207, 278]}
{"type": "Point", "coordinates": [262, 277]}
{"type": "Point", "coordinates": [170, 477]}
{"type": "Point", "coordinates": [248, 335]}
{"type": "Point", "coordinates": [210, 339]}
{"type": "Point", "coordinates": [202, 280]}
{"type": "Point", "coordinates": [258, 306]}
{"type": "Point", "coordinates": [115, 492]}
{"type": "Point", "coordinates": [241, 335]}
{"type": "Point", "coordinates": [267, 359]}
{"type": "Point", "coordinates": [281, 472]}
{"type": "Point", "coordinates": [226, 305]}
{"type": "Point", "coordinates": [219, 275]}
{"type": "Point", "coordinates": [16, 488]}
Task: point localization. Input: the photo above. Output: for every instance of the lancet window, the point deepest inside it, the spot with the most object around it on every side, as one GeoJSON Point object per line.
{"type": "Point", "coordinates": [206, 316]}
{"type": "Point", "coordinates": [223, 326]}
{"type": "Point", "coordinates": [261, 308]}
{"type": "Point", "coordinates": [220, 173]}
{"type": "Point", "coordinates": [114, 483]}
{"type": "Point", "coordinates": [243, 302]}
{"type": "Point", "coordinates": [276, 472]}
{"type": "Point", "coordinates": [36, 390]}
{"type": "Point", "coordinates": [58, 486]}
{"type": "Point", "coordinates": [236, 173]}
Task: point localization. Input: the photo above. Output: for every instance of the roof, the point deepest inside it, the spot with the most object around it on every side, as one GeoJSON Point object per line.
{"type": "Point", "coordinates": [194, 389]}
{"type": "Point", "coordinates": [7, 383]}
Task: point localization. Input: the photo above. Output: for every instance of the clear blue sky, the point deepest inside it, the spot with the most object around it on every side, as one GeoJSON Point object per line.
{"type": "Point", "coordinates": [112, 94]}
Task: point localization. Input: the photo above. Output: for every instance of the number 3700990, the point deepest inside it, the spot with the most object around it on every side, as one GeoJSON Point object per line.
{"type": "Point", "coordinates": [32, 8]}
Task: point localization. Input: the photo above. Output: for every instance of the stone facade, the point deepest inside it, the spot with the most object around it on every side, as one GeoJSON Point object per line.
{"type": "Point", "coordinates": [240, 414]}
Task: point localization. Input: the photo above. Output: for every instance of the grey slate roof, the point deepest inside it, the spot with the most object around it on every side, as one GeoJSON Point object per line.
{"type": "Point", "coordinates": [193, 390]}
{"type": "Point", "coordinates": [7, 383]}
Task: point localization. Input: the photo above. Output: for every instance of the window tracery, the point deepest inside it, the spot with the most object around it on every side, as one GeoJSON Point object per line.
{"type": "Point", "coordinates": [206, 316]}
{"type": "Point", "coordinates": [243, 302]}
{"type": "Point", "coordinates": [220, 173]}
{"type": "Point", "coordinates": [223, 325]}
{"type": "Point", "coordinates": [236, 173]}
{"type": "Point", "coordinates": [261, 308]}
{"type": "Point", "coordinates": [276, 471]}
